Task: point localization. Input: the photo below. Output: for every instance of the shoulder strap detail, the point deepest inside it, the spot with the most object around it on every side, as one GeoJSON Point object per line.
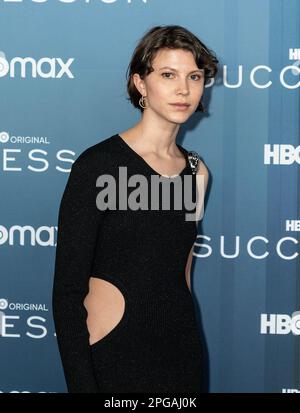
{"type": "Point", "coordinates": [194, 160]}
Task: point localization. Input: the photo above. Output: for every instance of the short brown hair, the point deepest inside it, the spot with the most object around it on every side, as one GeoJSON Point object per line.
{"type": "Point", "coordinates": [171, 37]}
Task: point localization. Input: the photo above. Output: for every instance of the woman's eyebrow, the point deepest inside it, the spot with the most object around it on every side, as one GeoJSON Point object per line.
{"type": "Point", "coordinates": [175, 70]}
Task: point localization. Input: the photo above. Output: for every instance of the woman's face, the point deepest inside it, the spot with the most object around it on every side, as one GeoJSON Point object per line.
{"type": "Point", "coordinates": [176, 78]}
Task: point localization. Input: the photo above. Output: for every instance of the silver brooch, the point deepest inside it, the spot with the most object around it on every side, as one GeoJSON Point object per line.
{"type": "Point", "coordinates": [194, 159]}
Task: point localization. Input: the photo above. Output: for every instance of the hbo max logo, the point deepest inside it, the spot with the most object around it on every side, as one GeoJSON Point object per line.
{"type": "Point", "coordinates": [28, 67]}
{"type": "Point", "coordinates": [281, 154]}
{"type": "Point", "coordinates": [280, 323]}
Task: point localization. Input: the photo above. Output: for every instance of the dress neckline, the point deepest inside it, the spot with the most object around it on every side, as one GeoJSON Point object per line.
{"type": "Point", "coordinates": [140, 158]}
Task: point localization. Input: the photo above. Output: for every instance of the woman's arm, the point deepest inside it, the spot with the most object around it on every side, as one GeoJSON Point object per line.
{"type": "Point", "coordinates": [202, 170]}
{"type": "Point", "coordinates": [188, 268]}
{"type": "Point", "coordinates": [78, 223]}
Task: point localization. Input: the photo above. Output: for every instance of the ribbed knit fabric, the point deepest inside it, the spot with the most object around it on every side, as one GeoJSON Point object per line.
{"type": "Point", "coordinates": [156, 345]}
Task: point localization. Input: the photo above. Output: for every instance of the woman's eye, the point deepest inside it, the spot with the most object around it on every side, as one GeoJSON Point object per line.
{"type": "Point", "coordinates": [199, 76]}
{"type": "Point", "coordinates": [169, 73]}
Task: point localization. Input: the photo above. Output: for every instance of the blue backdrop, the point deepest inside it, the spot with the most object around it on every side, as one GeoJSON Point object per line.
{"type": "Point", "coordinates": [63, 89]}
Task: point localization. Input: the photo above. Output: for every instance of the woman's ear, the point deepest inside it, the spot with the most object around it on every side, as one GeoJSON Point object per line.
{"type": "Point", "coordinates": [139, 84]}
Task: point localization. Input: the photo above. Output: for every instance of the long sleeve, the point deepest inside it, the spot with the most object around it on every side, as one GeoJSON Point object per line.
{"type": "Point", "coordinates": [78, 224]}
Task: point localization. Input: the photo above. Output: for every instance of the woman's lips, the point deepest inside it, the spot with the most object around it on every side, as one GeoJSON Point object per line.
{"type": "Point", "coordinates": [180, 106]}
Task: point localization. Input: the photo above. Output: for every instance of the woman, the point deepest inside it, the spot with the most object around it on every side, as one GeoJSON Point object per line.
{"type": "Point", "coordinates": [122, 306]}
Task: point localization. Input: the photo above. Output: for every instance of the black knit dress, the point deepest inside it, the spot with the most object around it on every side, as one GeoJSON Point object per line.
{"type": "Point", "coordinates": [156, 345]}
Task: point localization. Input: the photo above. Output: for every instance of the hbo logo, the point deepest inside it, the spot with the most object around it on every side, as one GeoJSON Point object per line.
{"type": "Point", "coordinates": [280, 323]}
{"type": "Point", "coordinates": [281, 154]}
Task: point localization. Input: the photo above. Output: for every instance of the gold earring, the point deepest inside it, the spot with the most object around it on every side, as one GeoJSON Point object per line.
{"type": "Point", "coordinates": [142, 102]}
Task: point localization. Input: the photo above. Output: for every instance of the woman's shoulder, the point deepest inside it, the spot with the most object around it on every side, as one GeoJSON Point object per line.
{"type": "Point", "coordinates": [97, 154]}
{"type": "Point", "coordinates": [193, 157]}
